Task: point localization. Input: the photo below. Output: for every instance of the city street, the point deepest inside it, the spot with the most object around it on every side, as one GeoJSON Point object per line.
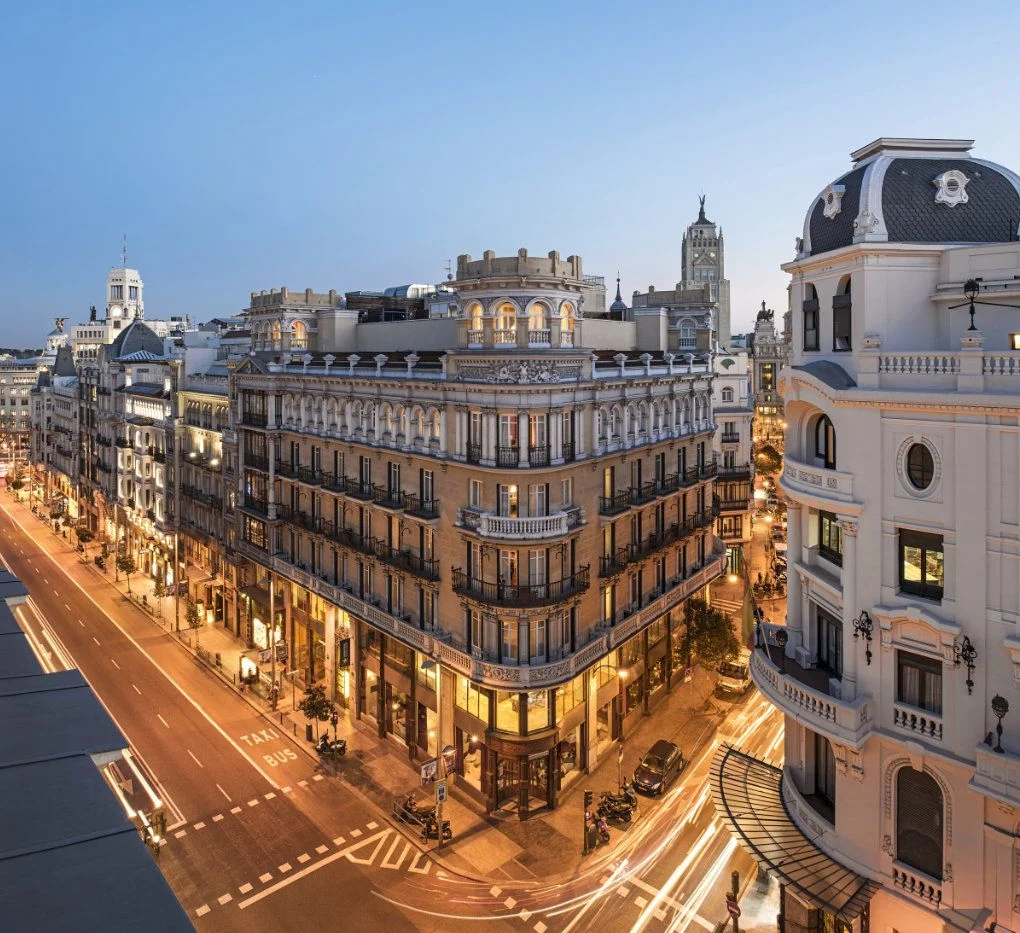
{"type": "Point", "coordinates": [261, 837]}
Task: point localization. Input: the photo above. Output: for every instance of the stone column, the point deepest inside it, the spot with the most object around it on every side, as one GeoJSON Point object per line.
{"type": "Point", "coordinates": [626, 426]}
{"type": "Point", "coordinates": [794, 617]}
{"type": "Point", "coordinates": [579, 448]}
{"type": "Point", "coordinates": [595, 439]}
{"type": "Point", "coordinates": [442, 431]}
{"type": "Point", "coordinates": [522, 436]}
{"type": "Point", "coordinates": [271, 482]}
{"type": "Point", "coordinates": [405, 427]}
{"type": "Point", "coordinates": [849, 684]}
{"type": "Point", "coordinates": [556, 435]}
{"type": "Point", "coordinates": [490, 433]}
{"type": "Point", "coordinates": [270, 410]}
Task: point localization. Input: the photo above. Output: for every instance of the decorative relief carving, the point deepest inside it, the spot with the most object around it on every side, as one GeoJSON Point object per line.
{"type": "Point", "coordinates": [526, 371]}
{"type": "Point", "coordinates": [833, 198]}
{"type": "Point", "coordinates": [887, 846]}
{"type": "Point", "coordinates": [865, 223]}
{"type": "Point", "coordinates": [952, 188]}
{"type": "Point", "coordinates": [947, 874]}
{"type": "Point", "coordinates": [814, 478]}
{"type": "Point", "coordinates": [500, 672]}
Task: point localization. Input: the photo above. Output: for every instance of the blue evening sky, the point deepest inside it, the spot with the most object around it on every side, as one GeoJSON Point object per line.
{"type": "Point", "coordinates": [244, 146]}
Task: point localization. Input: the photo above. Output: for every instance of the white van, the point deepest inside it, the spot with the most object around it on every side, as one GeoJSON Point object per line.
{"type": "Point", "coordinates": [735, 674]}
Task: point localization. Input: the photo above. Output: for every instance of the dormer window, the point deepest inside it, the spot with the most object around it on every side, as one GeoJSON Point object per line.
{"type": "Point", "coordinates": [832, 197]}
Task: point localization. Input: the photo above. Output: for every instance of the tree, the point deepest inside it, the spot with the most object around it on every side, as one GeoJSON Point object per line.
{"type": "Point", "coordinates": [194, 619]}
{"type": "Point", "coordinates": [709, 634]}
{"type": "Point", "coordinates": [768, 460]}
{"type": "Point", "coordinates": [158, 593]}
{"type": "Point", "coordinates": [126, 565]}
{"type": "Point", "coordinates": [16, 484]}
{"type": "Point", "coordinates": [316, 706]}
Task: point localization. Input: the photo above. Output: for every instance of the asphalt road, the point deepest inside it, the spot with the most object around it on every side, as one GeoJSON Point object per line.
{"type": "Point", "coordinates": [260, 837]}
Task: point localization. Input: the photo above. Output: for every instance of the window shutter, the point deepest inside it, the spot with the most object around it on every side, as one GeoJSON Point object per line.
{"type": "Point", "coordinates": [919, 819]}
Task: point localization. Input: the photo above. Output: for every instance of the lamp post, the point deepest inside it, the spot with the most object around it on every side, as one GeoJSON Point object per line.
{"type": "Point", "coordinates": [971, 288]}
{"type": "Point", "coordinates": [622, 674]}
{"type": "Point", "coordinates": [782, 637]}
{"type": "Point", "coordinates": [966, 653]}
{"type": "Point", "coordinates": [863, 628]}
{"type": "Point", "coordinates": [1000, 706]}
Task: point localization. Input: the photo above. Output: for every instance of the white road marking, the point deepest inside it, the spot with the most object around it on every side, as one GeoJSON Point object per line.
{"type": "Point", "coordinates": [139, 692]}
{"type": "Point", "coordinates": [302, 783]}
{"type": "Point", "coordinates": [304, 857]}
{"type": "Point", "coordinates": [285, 790]}
{"type": "Point", "coordinates": [115, 664]}
{"type": "Point", "coordinates": [355, 833]}
{"type": "Point", "coordinates": [540, 927]}
{"type": "Point", "coordinates": [495, 892]}
{"type": "Point", "coordinates": [199, 826]}
{"type": "Point", "coordinates": [182, 832]}
{"type": "Point", "coordinates": [253, 803]}
{"type": "Point", "coordinates": [56, 592]}
{"type": "Point", "coordinates": [339, 841]}
{"type": "Point", "coordinates": [225, 794]}
{"type": "Point", "coordinates": [317, 777]}
{"type": "Point", "coordinates": [510, 903]}
{"type": "Point", "coordinates": [282, 869]}
{"type": "Point", "coordinates": [245, 888]}
{"type": "Point", "coordinates": [235, 810]}
{"type": "Point", "coordinates": [226, 899]}
{"type": "Point", "coordinates": [162, 720]}
{"type": "Point", "coordinates": [641, 902]}
{"type": "Point", "coordinates": [193, 758]}
{"type": "Point", "coordinates": [67, 607]}
{"type": "Point", "coordinates": [372, 826]}
{"type": "Point", "coordinates": [96, 640]}
{"type": "Point", "coordinates": [525, 915]}
{"type": "Point", "coordinates": [322, 850]}
{"type": "Point", "coordinates": [202, 911]}
{"type": "Point", "coordinates": [154, 663]}
{"type": "Point", "coordinates": [217, 818]}
{"type": "Point", "coordinates": [420, 869]}
{"type": "Point", "coordinates": [82, 624]}
{"type": "Point", "coordinates": [266, 877]}
{"type": "Point", "coordinates": [623, 890]}
{"type": "Point", "coordinates": [269, 796]}
{"type": "Point", "coordinates": [387, 859]}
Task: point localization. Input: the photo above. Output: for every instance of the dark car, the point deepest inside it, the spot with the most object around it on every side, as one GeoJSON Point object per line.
{"type": "Point", "coordinates": [657, 770]}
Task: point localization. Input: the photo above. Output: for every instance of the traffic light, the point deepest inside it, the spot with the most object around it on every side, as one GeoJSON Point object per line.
{"type": "Point", "coordinates": [588, 797]}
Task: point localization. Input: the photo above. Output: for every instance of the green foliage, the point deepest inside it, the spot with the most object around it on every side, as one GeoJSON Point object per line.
{"type": "Point", "coordinates": [192, 616]}
{"type": "Point", "coordinates": [768, 460]}
{"type": "Point", "coordinates": [709, 634]}
{"type": "Point", "coordinates": [316, 706]}
{"type": "Point", "coordinates": [126, 565]}
{"type": "Point", "coordinates": [158, 588]}
{"type": "Point", "coordinates": [85, 535]}
{"type": "Point", "coordinates": [16, 484]}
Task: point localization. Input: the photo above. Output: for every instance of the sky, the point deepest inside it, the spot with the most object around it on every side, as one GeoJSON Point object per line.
{"type": "Point", "coordinates": [246, 146]}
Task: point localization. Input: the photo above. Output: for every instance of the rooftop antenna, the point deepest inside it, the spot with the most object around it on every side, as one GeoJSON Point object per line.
{"type": "Point", "coordinates": [449, 270]}
{"type": "Point", "coordinates": [123, 252]}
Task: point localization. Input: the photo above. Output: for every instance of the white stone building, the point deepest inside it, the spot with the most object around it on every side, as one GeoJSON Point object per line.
{"type": "Point", "coordinates": [733, 407]}
{"type": "Point", "coordinates": [894, 810]}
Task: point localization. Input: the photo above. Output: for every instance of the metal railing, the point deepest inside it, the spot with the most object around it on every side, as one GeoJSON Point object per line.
{"type": "Point", "coordinates": [474, 453]}
{"type": "Point", "coordinates": [538, 456]}
{"type": "Point", "coordinates": [421, 508]}
{"type": "Point", "coordinates": [535, 594]}
{"type": "Point", "coordinates": [405, 560]}
{"type": "Point", "coordinates": [508, 456]}
{"type": "Point", "coordinates": [615, 504]}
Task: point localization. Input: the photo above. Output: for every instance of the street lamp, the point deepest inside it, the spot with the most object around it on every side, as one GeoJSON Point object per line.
{"type": "Point", "coordinates": [1000, 706]}
{"type": "Point", "coordinates": [863, 627]}
{"type": "Point", "coordinates": [966, 653]}
{"type": "Point", "coordinates": [971, 288]}
{"type": "Point", "coordinates": [622, 675]}
{"type": "Point", "coordinates": [782, 638]}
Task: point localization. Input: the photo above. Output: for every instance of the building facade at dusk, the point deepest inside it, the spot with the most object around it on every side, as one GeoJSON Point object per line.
{"type": "Point", "coordinates": [897, 807]}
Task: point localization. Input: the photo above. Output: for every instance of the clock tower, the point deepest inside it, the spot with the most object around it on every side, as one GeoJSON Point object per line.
{"type": "Point", "coordinates": [703, 268]}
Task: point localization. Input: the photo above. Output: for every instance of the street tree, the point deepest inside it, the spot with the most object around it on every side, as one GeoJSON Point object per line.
{"type": "Point", "coordinates": [316, 706]}
{"type": "Point", "coordinates": [194, 619]}
{"type": "Point", "coordinates": [158, 593]}
{"type": "Point", "coordinates": [126, 565]}
{"type": "Point", "coordinates": [709, 634]}
{"type": "Point", "coordinates": [768, 461]}
{"type": "Point", "coordinates": [16, 485]}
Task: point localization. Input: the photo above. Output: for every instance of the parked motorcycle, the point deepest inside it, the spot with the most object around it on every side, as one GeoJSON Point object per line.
{"type": "Point", "coordinates": [409, 811]}
{"type": "Point", "coordinates": [430, 829]}
{"type": "Point", "coordinates": [614, 810]}
{"type": "Point", "coordinates": [599, 822]}
{"type": "Point", "coordinates": [327, 748]}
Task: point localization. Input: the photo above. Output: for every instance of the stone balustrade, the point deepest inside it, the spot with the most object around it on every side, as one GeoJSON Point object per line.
{"type": "Point", "coordinates": [917, 885]}
{"type": "Point", "coordinates": [997, 774]}
{"type": "Point", "coordinates": [817, 481]}
{"type": "Point", "coordinates": [918, 721]}
{"type": "Point", "coordinates": [524, 528]}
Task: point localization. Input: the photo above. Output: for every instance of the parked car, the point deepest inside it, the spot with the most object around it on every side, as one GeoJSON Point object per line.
{"type": "Point", "coordinates": [735, 674]}
{"type": "Point", "coordinates": [661, 765]}
{"type": "Point", "coordinates": [778, 533]}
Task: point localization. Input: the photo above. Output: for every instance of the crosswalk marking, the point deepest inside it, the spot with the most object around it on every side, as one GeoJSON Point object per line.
{"type": "Point", "coordinates": [245, 888]}
{"type": "Point", "coordinates": [226, 899]}
{"type": "Point", "coordinates": [203, 910]}
{"type": "Point", "coordinates": [266, 877]}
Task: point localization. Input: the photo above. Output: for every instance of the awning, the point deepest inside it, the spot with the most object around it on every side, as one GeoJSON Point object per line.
{"type": "Point", "coordinates": [748, 797]}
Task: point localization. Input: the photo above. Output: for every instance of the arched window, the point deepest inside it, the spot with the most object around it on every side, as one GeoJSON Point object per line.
{"type": "Point", "coordinates": [566, 317]}
{"type": "Point", "coordinates": [506, 317]}
{"type": "Point", "coordinates": [298, 336]}
{"type": "Point", "coordinates": [727, 394]}
{"type": "Point", "coordinates": [841, 319]}
{"type": "Point", "coordinates": [687, 334]}
{"type": "Point", "coordinates": [475, 315]}
{"type": "Point", "coordinates": [825, 442]}
{"type": "Point", "coordinates": [275, 335]}
{"type": "Point", "coordinates": [537, 316]}
{"type": "Point", "coordinates": [920, 821]}
{"type": "Point", "coordinates": [810, 309]}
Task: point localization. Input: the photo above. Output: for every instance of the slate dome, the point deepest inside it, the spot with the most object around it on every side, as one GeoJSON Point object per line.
{"type": "Point", "coordinates": [915, 191]}
{"type": "Point", "coordinates": [137, 337]}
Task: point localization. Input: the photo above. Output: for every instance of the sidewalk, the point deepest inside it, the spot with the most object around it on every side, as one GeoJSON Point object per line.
{"type": "Point", "coordinates": [485, 847]}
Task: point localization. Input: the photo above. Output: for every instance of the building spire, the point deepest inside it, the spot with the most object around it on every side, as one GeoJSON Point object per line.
{"type": "Point", "coordinates": [123, 252]}
{"type": "Point", "coordinates": [701, 210]}
{"type": "Point", "coordinates": [619, 297]}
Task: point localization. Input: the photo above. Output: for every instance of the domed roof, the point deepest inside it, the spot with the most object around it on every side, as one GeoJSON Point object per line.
{"type": "Point", "coordinates": [618, 302]}
{"type": "Point", "coordinates": [914, 191]}
{"type": "Point", "coordinates": [137, 337]}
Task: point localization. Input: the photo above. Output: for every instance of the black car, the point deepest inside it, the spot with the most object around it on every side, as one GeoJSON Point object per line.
{"type": "Point", "coordinates": [657, 770]}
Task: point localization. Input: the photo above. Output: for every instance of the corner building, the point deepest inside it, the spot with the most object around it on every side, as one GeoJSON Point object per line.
{"type": "Point", "coordinates": [897, 807]}
{"type": "Point", "coordinates": [470, 540]}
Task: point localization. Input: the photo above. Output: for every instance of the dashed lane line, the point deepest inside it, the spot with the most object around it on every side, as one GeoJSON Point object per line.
{"type": "Point", "coordinates": [199, 826]}
{"type": "Point", "coordinates": [253, 803]}
{"type": "Point", "coordinates": [193, 758]}
{"type": "Point", "coordinates": [179, 833]}
{"type": "Point", "coordinates": [284, 868]}
{"type": "Point", "coordinates": [371, 826]}
{"type": "Point", "coordinates": [304, 857]}
{"type": "Point", "coordinates": [225, 899]}
{"type": "Point", "coordinates": [96, 640]}
{"type": "Point", "coordinates": [322, 850]}
{"type": "Point", "coordinates": [217, 818]}
{"type": "Point", "coordinates": [162, 720]}
{"type": "Point", "coordinates": [139, 692]}
{"type": "Point", "coordinates": [235, 810]}
{"type": "Point", "coordinates": [245, 888]}
{"type": "Point", "coordinates": [266, 878]}
{"type": "Point", "coordinates": [269, 796]}
{"type": "Point", "coordinates": [203, 910]}
{"type": "Point", "coordinates": [115, 664]}
{"type": "Point", "coordinates": [225, 794]}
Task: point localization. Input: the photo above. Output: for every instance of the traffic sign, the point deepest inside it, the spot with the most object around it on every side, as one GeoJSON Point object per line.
{"type": "Point", "coordinates": [440, 791]}
{"type": "Point", "coordinates": [733, 907]}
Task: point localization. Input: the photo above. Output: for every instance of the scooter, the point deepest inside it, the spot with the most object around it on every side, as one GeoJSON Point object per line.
{"type": "Point", "coordinates": [336, 748]}
{"type": "Point", "coordinates": [601, 827]}
{"type": "Point", "coordinates": [627, 795]}
{"type": "Point", "coordinates": [430, 829]}
{"type": "Point", "coordinates": [410, 812]}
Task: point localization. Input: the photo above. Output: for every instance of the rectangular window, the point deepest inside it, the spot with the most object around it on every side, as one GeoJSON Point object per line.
{"type": "Point", "coordinates": [508, 430]}
{"type": "Point", "coordinates": [133, 292]}
{"type": "Point", "coordinates": [919, 681]}
{"type": "Point", "coordinates": [506, 500]}
{"type": "Point", "coordinates": [538, 431]}
{"type": "Point", "coordinates": [811, 324]}
{"type": "Point", "coordinates": [841, 323]}
{"type": "Point", "coordinates": [116, 292]}
{"type": "Point", "coordinates": [473, 700]}
{"type": "Point", "coordinates": [825, 771]}
{"type": "Point", "coordinates": [830, 538]}
{"type": "Point", "coordinates": [475, 493]}
{"type": "Point", "coordinates": [538, 500]}
{"type": "Point", "coordinates": [922, 564]}
{"type": "Point", "coordinates": [566, 492]}
{"type": "Point", "coordinates": [829, 630]}
{"type": "Point", "coordinates": [510, 641]}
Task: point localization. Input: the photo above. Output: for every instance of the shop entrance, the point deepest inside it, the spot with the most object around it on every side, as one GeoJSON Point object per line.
{"type": "Point", "coordinates": [538, 781]}
{"type": "Point", "coordinates": [508, 781]}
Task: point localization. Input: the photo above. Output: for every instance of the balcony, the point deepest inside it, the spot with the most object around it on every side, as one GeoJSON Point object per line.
{"type": "Point", "coordinates": [816, 481]}
{"type": "Point", "coordinates": [334, 482]}
{"type": "Point", "coordinates": [299, 519]}
{"type": "Point", "coordinates": [646, 492]}
{"type": "Point", "coordinates": [734, 505]}
{"type": "Point", "coordinates": [254, 419]}
{"type": "Point", "coordinates": [359, 489]}
{"type": "Point", "coordinates": [917, 884]}
{"type": "Point", "coordinates": [388, 498]}
{"type": "Point", "coordinates": [256, 462]}
{"type": "Point", "coordinates": [405, 560]}
{"type": "Point", "coordinates": [309, 477]}
{"type": "Point", "coordinates": [280, 468]}
{"type": "Point", "coordinates": [521, 527]}
{"type": "Point", "coordinates": [733, 438]}
{"type": "Point", "coordinates": [474, 453]}
{"type": "Point", "coordinates": [739, 471]}
{"type": "Point", "coordinates": [920, 722]}
{"type": "Point", "coordinates": [521, 595]}
{"type": "Point", "coordinates": [421, 508]}
{"type": "Point", "coordinates": [803, 693]}
{"type": "Point", "coordinates": [123, 443]}
{"type": "Point", "coordinates": [612, 564]}
{"type": "Point", "coordinates": [997, 775]}
{"type": "Point", "coordinates": [254, 504]}
{"type": "Point", "coordinates": [615, 504]}
{"type": "Point", "coordinates": [569, 452]}
{"type": "Point", "coordinates": [508, 457]}
{"type": "Point", "coordinates": [538, 456]}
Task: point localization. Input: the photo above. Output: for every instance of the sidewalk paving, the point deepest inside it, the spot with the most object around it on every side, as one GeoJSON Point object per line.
{"type": "Point", "coordinates": [485, 847]}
